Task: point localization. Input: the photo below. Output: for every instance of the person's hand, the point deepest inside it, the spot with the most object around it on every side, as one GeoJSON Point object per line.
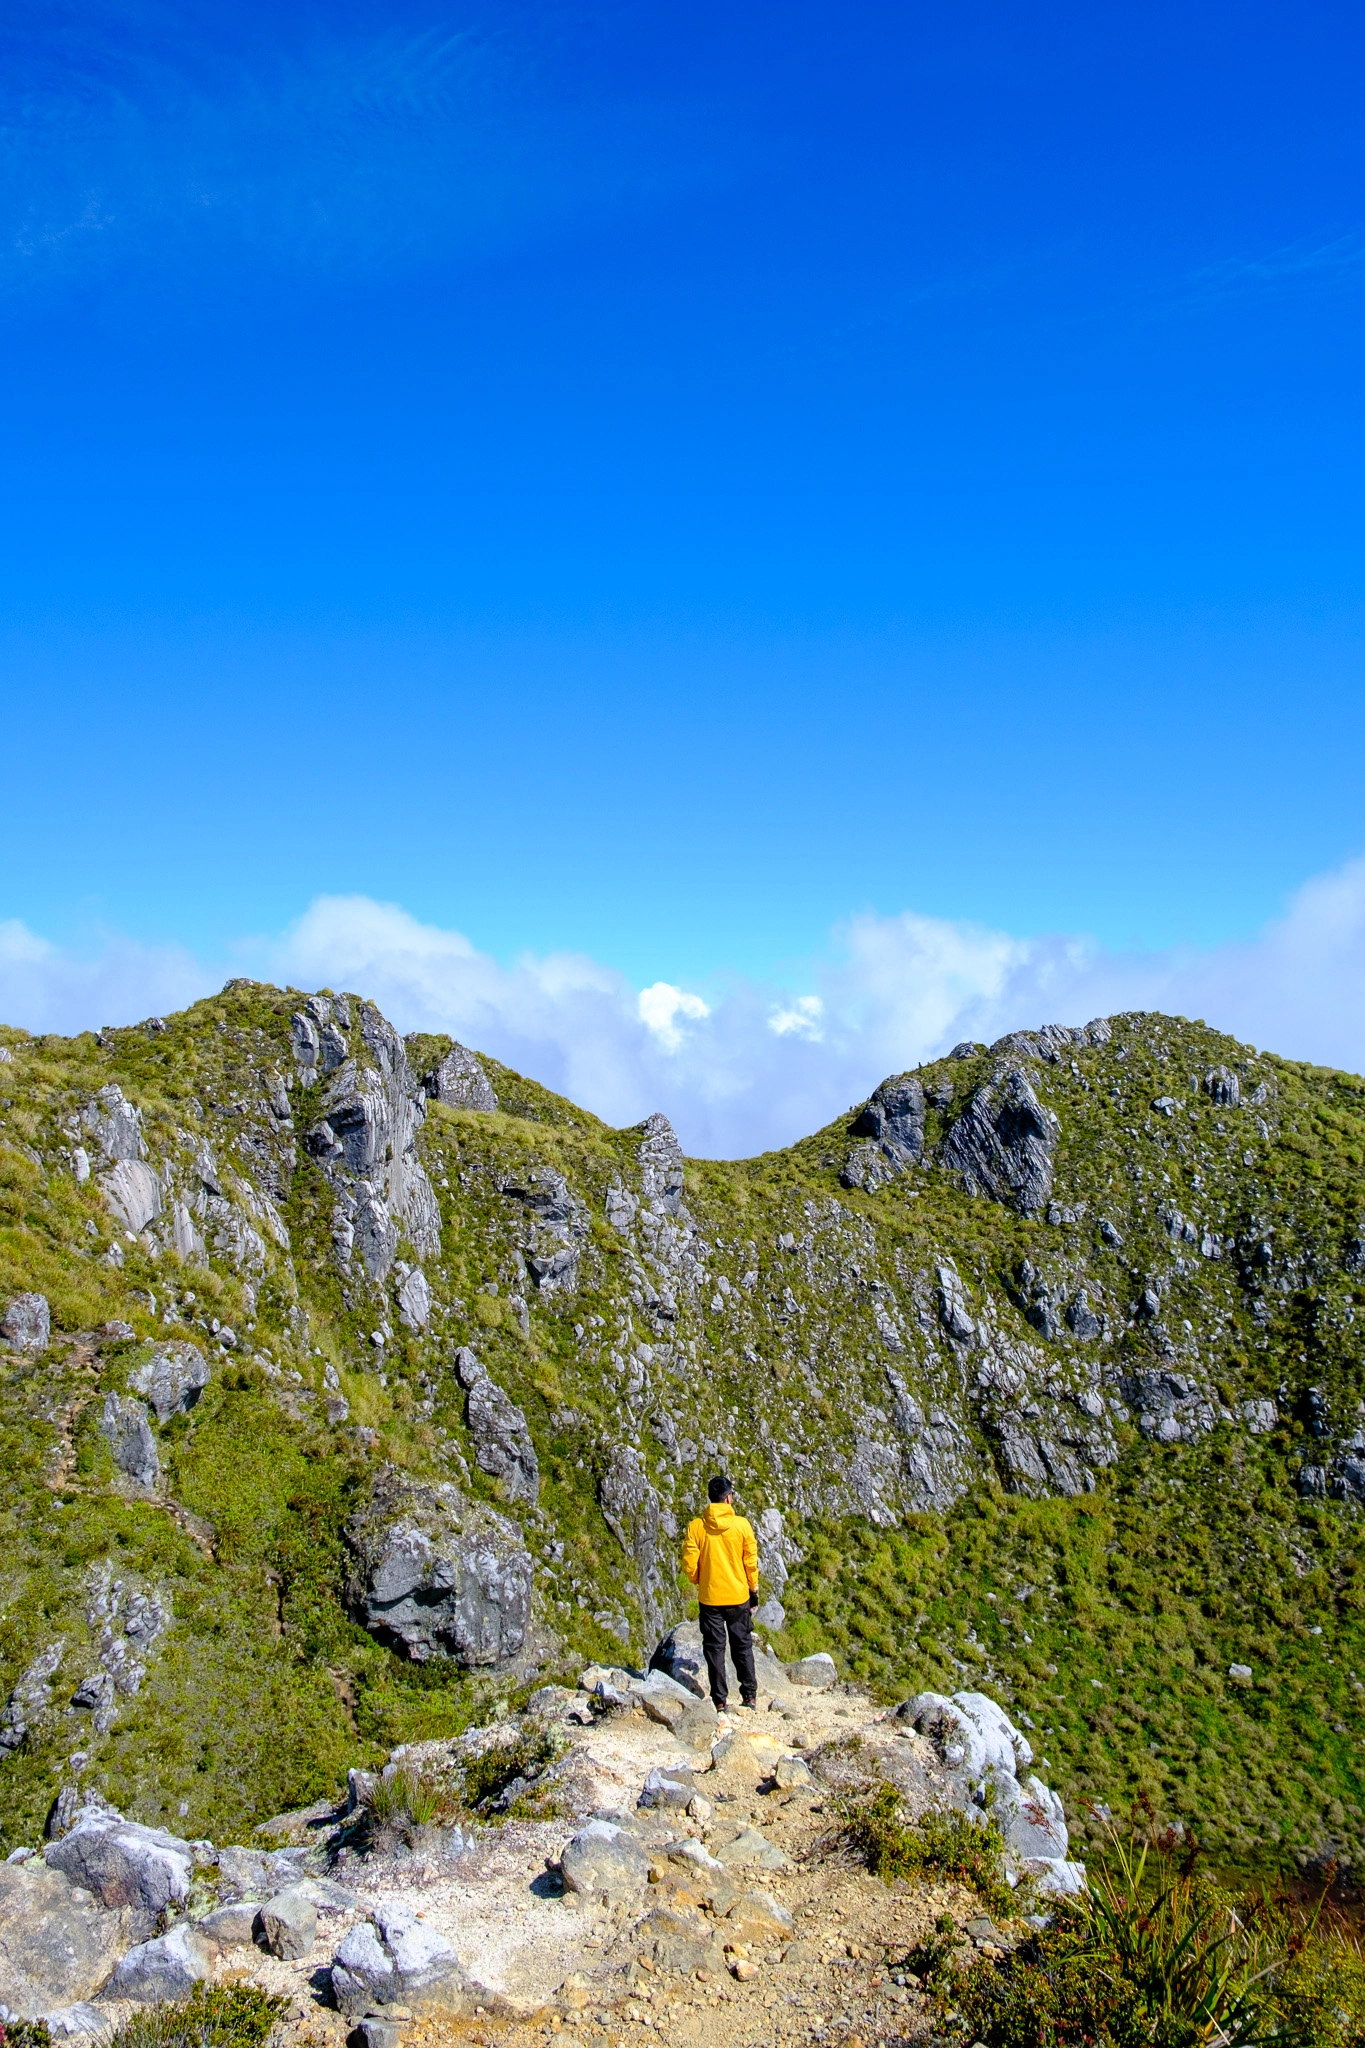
{"type": "Point", "coordinates": [753, 1599]}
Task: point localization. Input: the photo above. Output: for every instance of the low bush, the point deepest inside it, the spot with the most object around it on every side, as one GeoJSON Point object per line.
{"type": "Point", "coordinates": [946, 1845]}
{"type": "Point", "coordinates": [213, 2016]}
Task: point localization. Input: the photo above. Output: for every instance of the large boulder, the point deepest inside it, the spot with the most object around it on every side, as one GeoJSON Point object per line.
{"type": "Point", "coordinates": [437, 1575]}
{"type": "Point", "coordinates": [168, 1967]}
{"type": "Point", "coordinates": [502, 1442]}
{"type": "Point", "coordinates": [27, 1323]}
{"type": "Point", "coordinates": [133, 1192]}
{"type": "Point", "coordinates": [172, 1379]}
{"type": "Point", "coordinates": [57, 1946]}
{"type": "Point", "coordinates": [1003, 1143]}
{"type": "Point", "coordinates": [818, 1670]}
{"type": "Point", "coordinates": [604, 1862]}
{"type": "Point", "coordinates": [128, 1433]}
{"type": "Point", "coordinates": [394, 1958]}
{"type": "Point", "coordinates": [123, 1863]}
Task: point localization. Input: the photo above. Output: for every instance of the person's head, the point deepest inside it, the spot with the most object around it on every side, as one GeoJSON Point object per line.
{"type": "Point", "coordinates": [719, 1489]}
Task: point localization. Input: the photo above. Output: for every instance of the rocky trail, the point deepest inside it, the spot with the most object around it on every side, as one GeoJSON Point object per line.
{"type": "Point", "coordinates": [691, 1878]}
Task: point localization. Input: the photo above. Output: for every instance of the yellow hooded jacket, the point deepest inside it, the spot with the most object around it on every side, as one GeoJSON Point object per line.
{"type": "Point", "coordinates": [720, 1557]}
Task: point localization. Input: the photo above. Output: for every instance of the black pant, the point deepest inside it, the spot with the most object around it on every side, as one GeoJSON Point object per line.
{"type": "Point", "coordinates": [716, 1624]}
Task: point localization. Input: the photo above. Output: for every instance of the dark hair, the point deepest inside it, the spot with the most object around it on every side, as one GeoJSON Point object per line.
{"type": "Point", "coordinates": [717, 1488]}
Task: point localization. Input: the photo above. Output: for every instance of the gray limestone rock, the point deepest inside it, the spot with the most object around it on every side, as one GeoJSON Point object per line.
{"type": "Point", "coordinates": [603, 1862]}
{"type": "Point", "coordinates": [1003, 1143]}
{"type": "Point", "coordinates": [680, 1656]}
{"type": "Point", "coordinates": [892, 1119]}
{"type": "Point", "coordinates": [438, 1575]}
{"type": "Point", "coordinates": [661, 1164]}
{"type": "Point", "coordinates": [414, 1299]}
{"type": "Point", "coordinates": [461, 1081]}
{"type": "Point", "coordinates": [56, 1944]}
{"type": "Point", "coordinates": [172, 1379]}
{"type": "Point", "coordinates": [289, 1923]}
{"type": "Point", "coordinates": [30, 1695]}
{"type": "Point", "coordinates": [952, 1306]}
{"type": "Point", "coordinates": [168, 1967]}
{"type": "Point", "coordinates": [123, 1863]}
{"type": "Point", "coordinates": [231, 1926]}
{"type": "Point", "coordinates": [303, 1036]}
{"type": "Point", "coordinates": [133, 1192]}
{"type": "Point", "coordinates": [819, 1670]}
{"type": "Point", "coordinates": [502, 1441]}
{"type": "Point", "coordinates": [1082, 1320]}
{"type": "Point", "coordinates": [124, 1425]}
{"type": "Point", "coordinates": [115, 1124]}
{"type": "Point", "coordinates": [1222, 1086]}
{"type": "Point", "coordinates": [394, 1958]}
{"type": "Point", "coordinates": [1169, 1406]}
{"type": "Point", "coordinates": [27, 1324]}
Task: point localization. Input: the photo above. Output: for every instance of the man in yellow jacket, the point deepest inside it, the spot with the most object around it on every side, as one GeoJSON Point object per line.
{"type": "Point", "coordinates": [720, 1557]}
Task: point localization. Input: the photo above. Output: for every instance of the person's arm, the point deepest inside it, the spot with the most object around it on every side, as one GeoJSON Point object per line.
{"type": "Point", "coordinates": [691, 1556]}
{"type": "Point", "coordinates": [750, 1555]}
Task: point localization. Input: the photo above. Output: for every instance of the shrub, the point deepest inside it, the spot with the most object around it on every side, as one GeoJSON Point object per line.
{"type": "Point", "coordinates": [944, 1844]}
{"type": "Point", "coordinates": [1158, 1956]}
{"type": "Point", "coordinates": [213, 2016]}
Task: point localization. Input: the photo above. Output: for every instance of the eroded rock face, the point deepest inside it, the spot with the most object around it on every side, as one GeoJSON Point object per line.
{"type": "Point", "coordinates": [167, 1967]}
{"type": "Point", "coordinates": [461, 1081]}
{"type": "Point", "coordinates": [1004, 1142]}
{"type": "Point", "coordinates": [502, 1441]}
{"type": "Point", "coordinates": [172, 1379]}
{"type": "Point", "coordinates": [661, 1164]}
{"type": "Point", "coordinates": [437, 1575]}
{"type": "Point", "coordinates": [892, 1120]}
{"type": "Point", "coordinates": [630, 1507]}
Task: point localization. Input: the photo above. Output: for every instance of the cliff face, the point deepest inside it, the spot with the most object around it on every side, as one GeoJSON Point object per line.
{"type": "Point", "coordinates": [350, 1381]}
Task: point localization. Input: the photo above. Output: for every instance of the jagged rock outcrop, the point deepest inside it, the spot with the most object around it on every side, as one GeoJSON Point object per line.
{"type": "Point", "coordinates": [980, 1747]}
{"type": "Point", "coordinates": [502, 1441]}
{"type": "Point", "coordinates": [893, 1120]}
{"type": "Point", "coordinates": [556, 1224]}
{"type": "Point", "coordinates": [145, 1870]}
{"type": "Point", "coordinates": [1003, 1144]}
{"type": "Point", "coordinates": [128, 1433]}
{"type": "Point", "coordinates": [366, 1136]}
{"type": "Point", "coordinates": [30, 1696]}
{"type": "Point", "coordinates": [172, 1379]}
{"type": "Point", "coordinates": [438, 1575]}
{"type": "Point", "coordinates": [630, 1507]}
{"type": "Point", "coordinates": [461, 1081]}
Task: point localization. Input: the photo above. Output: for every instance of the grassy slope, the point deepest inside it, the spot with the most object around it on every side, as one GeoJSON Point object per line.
{"type": "Point", "coordinates": [1185, 1559]}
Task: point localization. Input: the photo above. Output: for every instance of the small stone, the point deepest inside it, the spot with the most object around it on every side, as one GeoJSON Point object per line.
{"type": "Point", "coordinates": [743, 1970]}
{"type": "Point", "coordinates": [790, 1773]}
{"type": "Point", "coordinates": [374, 2033]}
{"type": "Point", "coordinates": [772, 1614]}
{"type": "Point", "coordinates": [1240, 1674]}
{"type": "Point", "coordinates": [231, 1926]}
{"type": "Point", "coordinates": [603, 1861]}
{"type": "Point", "coordinates": [289, 1923]}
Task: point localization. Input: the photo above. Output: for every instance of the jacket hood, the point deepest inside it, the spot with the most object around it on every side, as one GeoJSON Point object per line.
{"type": "Point", "coordinates": [719, 1516]}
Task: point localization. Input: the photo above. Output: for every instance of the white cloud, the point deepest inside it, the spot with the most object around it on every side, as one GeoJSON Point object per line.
{"type": "Point", "coordinates": [753, 1067]}
{"type": "Point", "coordinates": [661, 1005]}
{"type": "Point", "coordinates": [802, 1016]}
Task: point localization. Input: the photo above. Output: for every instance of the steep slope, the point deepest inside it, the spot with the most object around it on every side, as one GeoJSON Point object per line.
{"type": "Point", "coordinates": [380, 1381]}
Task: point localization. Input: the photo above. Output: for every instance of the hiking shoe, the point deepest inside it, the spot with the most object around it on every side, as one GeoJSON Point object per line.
{"type": "Point", "coordinates": [748, 1706]}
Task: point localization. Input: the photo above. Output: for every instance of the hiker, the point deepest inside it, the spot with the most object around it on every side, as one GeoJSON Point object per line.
{"type": "Point", "coordinates": [720, 1557]}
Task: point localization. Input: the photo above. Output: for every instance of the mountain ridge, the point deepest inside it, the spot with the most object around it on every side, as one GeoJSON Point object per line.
{"type": "Point", "coordinates": [1039, 1369]}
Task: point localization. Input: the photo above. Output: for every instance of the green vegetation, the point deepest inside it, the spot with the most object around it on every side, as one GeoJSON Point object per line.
{"type": "Point", "coordinates": [1158, 1956]}
{"type": "Point", "coordinates": [768, 1332]}
{"type": "Point", "coordinates": [944, 1845]}
{"type": "Point", "coordinates": [213, 2016]}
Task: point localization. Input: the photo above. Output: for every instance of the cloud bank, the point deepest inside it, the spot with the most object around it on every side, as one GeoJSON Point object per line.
{"type": "Point", "coordinates": [743, 1067]}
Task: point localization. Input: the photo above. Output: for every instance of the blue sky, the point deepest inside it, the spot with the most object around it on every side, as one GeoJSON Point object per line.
{"type": "Point", "coordinates": [665, 485]}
